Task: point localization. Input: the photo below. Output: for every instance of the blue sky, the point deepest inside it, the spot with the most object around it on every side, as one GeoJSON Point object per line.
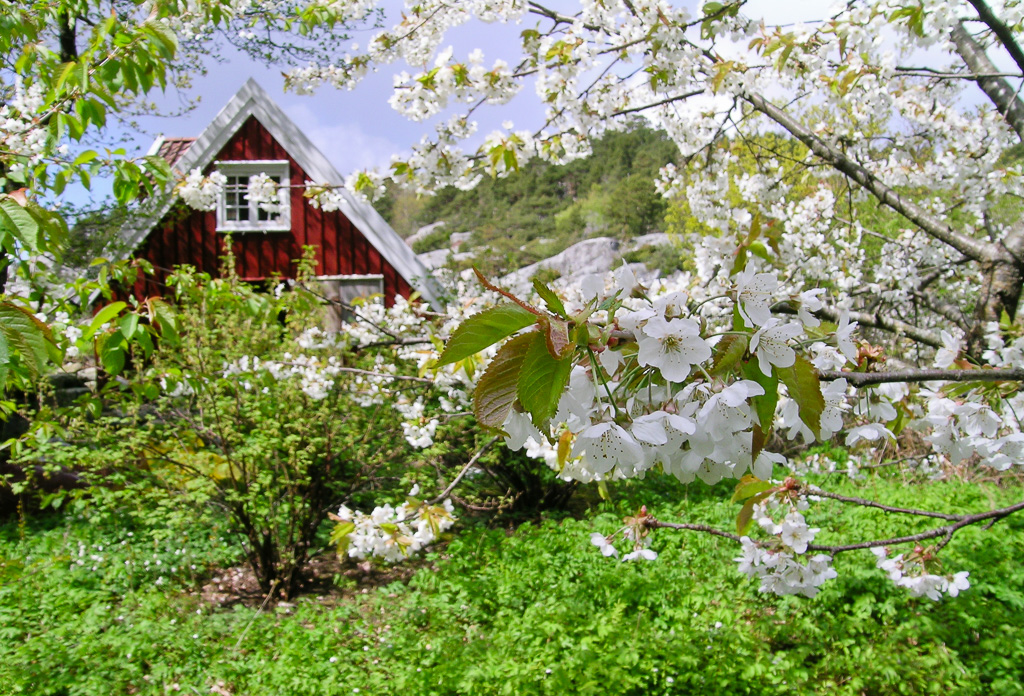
{"type": "Point", "coordinates": [354, 129]}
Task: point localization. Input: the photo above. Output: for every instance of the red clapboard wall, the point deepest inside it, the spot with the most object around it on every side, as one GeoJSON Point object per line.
{"type": "Point", "coordinates": [187, 236]}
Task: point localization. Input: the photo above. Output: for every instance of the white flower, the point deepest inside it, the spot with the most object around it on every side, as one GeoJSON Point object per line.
{"type": "Point", "coordinates": [673, 346]}
{"type": "Point", "coordinates": [871, 431]}
{"type": "Point", "coordinates": [947, 355]}
{"type": "Point", "coordinates": [754, 295]}
{"type": "Point", "coordinates": [810, 302]}
{"type": "Point", "coordinates": [645, 554]}
{"type": "Point", "coordinates": [796, 534]}
{"type": "Point", "coordinates": [958, 583]}
{"type": "Point", "coordinates": [770, 345]}
{"type": "Point", "coordinates": [844, 336]}
{"type": "Point", "coordinates": [604, 544]}
{"type": "Point", "coordinates": [605, 446]}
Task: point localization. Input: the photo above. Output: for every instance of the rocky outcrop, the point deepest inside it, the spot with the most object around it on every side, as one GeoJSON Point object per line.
{"type": "Point", "coordinates": [597, 255]}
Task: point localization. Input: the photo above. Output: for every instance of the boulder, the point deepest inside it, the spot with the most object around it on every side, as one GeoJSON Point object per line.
{"type": "Point", "coordinates": [597, 255]}
{"type": "Point", "coordinates": [458, 239]}
{"type": "Point", "coordinates": [435, 259]}
{"type": "Point", "coordinates": [423, 232]}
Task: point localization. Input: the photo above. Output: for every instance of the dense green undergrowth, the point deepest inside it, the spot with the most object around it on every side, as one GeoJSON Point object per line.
{"type": "Point", "coordinates": [536, 610]}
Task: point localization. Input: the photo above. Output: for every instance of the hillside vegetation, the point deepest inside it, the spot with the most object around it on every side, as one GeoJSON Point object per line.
{"type": "Point", "coordinates": [521, 219]}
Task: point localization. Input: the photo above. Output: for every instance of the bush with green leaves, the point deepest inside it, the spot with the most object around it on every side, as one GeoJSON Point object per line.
{"type": "Point", "coordinates": [236, 416]}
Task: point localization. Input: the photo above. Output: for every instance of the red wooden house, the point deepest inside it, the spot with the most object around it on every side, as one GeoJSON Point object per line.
{"type": "Point", "coordinates": [356, 250]}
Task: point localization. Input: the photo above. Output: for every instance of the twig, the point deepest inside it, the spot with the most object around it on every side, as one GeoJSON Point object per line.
{"type": "Point", "coordinates": [451, 486]}
{"type": "Point", "coordinates": [707, 529]}
{"type": "Point", "coordinates": [947, 530]}
{"type": "Point", "coordinates": [273, 586]}
{"type": "Point", "coordinates": [880, 506]}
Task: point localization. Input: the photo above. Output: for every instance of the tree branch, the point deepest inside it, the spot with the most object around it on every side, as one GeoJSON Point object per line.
{"type": "Point", "coordinates": [878, 321]}
{"type": "Point", "coordinates": [996, 89]}
{"type": "Point", "coordinates": [945, 531]}
{"type": "Point", "coordinates": [865, 379]}
{"type": "Point", "coordinates": [887, 508]}
{"type": "Point", "coordinates": [1002, 32]}
{"type": "Point", "coordinates": [932, 226]}
{"type": "Point", "coordinates": [653, 523]}
{"type": "Point", "coordinates": [451, 486]}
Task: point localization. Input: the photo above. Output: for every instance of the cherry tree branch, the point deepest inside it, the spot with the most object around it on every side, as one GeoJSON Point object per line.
{"type": "Point", "coordinates": [1002, 32]}
{"type": "Point", "coordinates": [942, 74]}
{"type": "Point", "coordinates": [877, 320]}
{"type": "Point", "coordinates": [934, 227]}
{"type": "Point", "coordinates": [865, 379]}
{"type": "Point", "coordinates": [887, 508]}
{"type": "Point", "coordinates": [997, 89]}
{"type": "Point", "coordinates": [475, 458]}
{"type": "Point", "coordinates": [653, 523]}
{"type": "Point", "coordinates": [945, 531]}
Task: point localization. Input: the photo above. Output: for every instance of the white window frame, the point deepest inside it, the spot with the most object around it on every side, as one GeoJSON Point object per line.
{"type": "Point", "coordinates": [281, 222]}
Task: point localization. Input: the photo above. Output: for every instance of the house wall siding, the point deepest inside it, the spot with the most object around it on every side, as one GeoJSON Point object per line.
{"type": "Point", "coordinates": [187, 236]}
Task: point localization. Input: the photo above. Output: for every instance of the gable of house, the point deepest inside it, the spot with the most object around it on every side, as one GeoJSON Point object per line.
{"type": "Point", "coordinates": [353, 245]}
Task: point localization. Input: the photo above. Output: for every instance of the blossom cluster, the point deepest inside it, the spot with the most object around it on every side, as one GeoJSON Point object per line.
{"type": "Point", "coordinates": [909, 571]}
{"type": "Point", "coordinates": [681, 421]}
{"type": "Point", "coordinates": [635, 532]}
{"type": "Point", "coordinates": [21, 134]}
{"type": "Point", "coordinates": [265, 192]}
{"type": "Point", "coordinates": [783, 565]}
{"type": "Point", "coordinates": [315, 376]}
{"type": "Point", "coordinates": [393, 533]}
{"type": "Point", "coordinates": [202, 192]}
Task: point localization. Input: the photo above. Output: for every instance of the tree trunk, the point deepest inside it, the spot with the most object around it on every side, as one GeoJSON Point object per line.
{"type": "Point", "coordinates": [1002, 279]}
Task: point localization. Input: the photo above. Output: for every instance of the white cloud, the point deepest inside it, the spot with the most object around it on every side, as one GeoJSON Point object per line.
{"type": "Point", "coordinates": [346, 145]}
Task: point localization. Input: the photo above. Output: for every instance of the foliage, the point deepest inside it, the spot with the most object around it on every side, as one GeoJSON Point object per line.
{"type": "Point", "coordinates": [184, 428]}
{"type": "Point", "coordinates": [533, 612]}
{"type": "Point", "coordinates": [546, 208]}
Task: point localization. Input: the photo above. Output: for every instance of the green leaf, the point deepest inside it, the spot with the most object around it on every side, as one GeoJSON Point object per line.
{"type": "Point", "coordinates": [85, 157]}
{"type": "Point", "coordinates": [805, 388]}
{"type": "Point", "coordinates": [551, 300]}
{"type": "Point", "coordinates": [746, 516]}
{"type": "Point", "coordinates": [483, 330]}
{"type": "Point", "coordinates": [542, 380]}
{"type": "Point", "coordinates": [341, 535]}
{"type": "Point", "coordinates": [16, 219]}
{"type": "Point", "coordinates": [728, 352]}
{"type": "Point", "coordinates": [25, 334]}
{"type": "Point", "coordinates": [764, 404]}
{"type": "Point", "coordinates": [167, 320]}
{"type": "Point", "coordinates": [750, 485]}
{"type": "Point", "coordinates": [112, 353]}
{"type": "Point", "coordinates": [102, 317]}
{"type": "Point", "coordinates": [129, 323]}
{"type": "Point", "coordinates": [496, 391]}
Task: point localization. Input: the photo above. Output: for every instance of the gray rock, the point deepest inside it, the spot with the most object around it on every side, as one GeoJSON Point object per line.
{"type": "Point", "coordinates": [589, 256]}
{"type": "Point", "coordinates": [653, 239]}
{"type": "Point", "coordinates": [458, 239]}
{"type": "Point", "coordinates": [422, 232]}
{"type": "Point", "coordinates": [435, 259]}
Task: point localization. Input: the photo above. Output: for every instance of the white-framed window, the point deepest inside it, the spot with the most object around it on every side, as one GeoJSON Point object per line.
{"type": "Point", "coordinates": [237, 213]}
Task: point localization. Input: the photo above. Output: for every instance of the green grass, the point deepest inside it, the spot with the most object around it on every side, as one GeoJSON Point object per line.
{"type": "Point", "coordinates": [534, 611]}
